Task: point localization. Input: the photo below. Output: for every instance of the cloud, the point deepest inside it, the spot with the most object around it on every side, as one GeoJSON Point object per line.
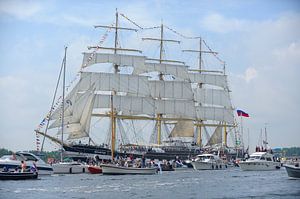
{"type": "Point", "coordinates": [250, 74]}
{"type": "Point", "coordinates": [218, 23]}
{"type": "Point", "coordinates": [20, 9]}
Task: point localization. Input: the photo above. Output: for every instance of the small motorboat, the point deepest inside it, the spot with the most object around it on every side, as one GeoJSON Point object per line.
{"type": "Point", "coordinates": [18, 175]}
{"type": "Point", "coordinates": [110, 169]}
{"type": "Point", "coordinates": [94, 169]}
{"type": "Point", "coordinates": [69, 168]}
{"type": "Point", "coordinates": [11, 162]}
{"type": "Point", "coordinates": [260, 161]}
{"type": "Point", "coordinates": [293, 170]}
{"type": "Point", "coordinates": [208, 162]}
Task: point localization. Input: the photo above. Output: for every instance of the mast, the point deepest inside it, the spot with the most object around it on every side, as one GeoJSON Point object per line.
{"type": "Point", "coordinates": [115, 48]}
{"type": "Point", "coordinates": [266, 137]}
{"type": "Point", "coordinates": [63, 104]}
{"type": "Point", "coordinates": [113, 127]}
{"type": "Point", "coordinates": [161, 60]}
{"type": "Point", "coordinates": [200, 51]}
{"type": "Point", "coordinates": [116, 70]}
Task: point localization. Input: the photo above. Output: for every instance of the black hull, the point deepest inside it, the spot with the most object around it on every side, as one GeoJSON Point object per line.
{"type": "Point", "coordinates": [18, 176]}
{"type": "Point", "coordinates": [182, 154]}
{"type": "Point", "coordinates": [292, 171]}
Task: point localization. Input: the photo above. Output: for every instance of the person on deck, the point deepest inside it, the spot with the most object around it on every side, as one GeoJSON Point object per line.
{"type": "Point", "coordinates": [23, 166]}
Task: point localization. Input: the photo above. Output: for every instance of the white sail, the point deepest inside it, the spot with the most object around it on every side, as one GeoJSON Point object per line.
{"type": "Point", "coordinates": [132, 84]}
{"type": "Point", "coordinates": [212, 96]}
{"type": "Point", "coordinates": [180, 71]}
{"type": "Point", "coordinates": [215, 114]}
{"type": "Point", "coordinates": [171, 89]}
{"type": "Point", "coordinates": [212, 79]}
{"type": "Point", "coordinates": [118, 59]}
{"type": "Point", "coordinates": [79, 121]}
{"type": "Point", "coordinates": [130, 105]}
{"type": "Point", "coordinates": [135, 85]}
{"type": "Point", "coordinates": [69, 101]}
{"type": "Point", "coordinates": [183, 129]}
{"type": "Point", "coordinates": [216, 137]}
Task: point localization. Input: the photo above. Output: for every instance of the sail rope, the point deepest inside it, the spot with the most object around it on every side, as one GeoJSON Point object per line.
{"type": "Point", "coordinates": [103, 38]}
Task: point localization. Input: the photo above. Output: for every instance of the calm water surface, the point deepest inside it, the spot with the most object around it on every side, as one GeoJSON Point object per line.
{"type": "Point", "coordinates": [231, 183]}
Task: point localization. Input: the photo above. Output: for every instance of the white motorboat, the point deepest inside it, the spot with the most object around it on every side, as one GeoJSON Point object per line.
{"type": "Point", "coordinates": [69, 168]}
{"type": "Point", "coordinates": [293, 170]}
{"type": "Point", "coordinates": [11, 162]}
{"type": "Point", "coordinates": [208, 162]}
{"type": "Point", "coordinates": [111, 169]}
{"type": "Point", "coordinates": [260, 161]}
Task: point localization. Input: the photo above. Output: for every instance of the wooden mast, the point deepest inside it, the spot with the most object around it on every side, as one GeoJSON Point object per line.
{"type": "Point", "coordinates": [200, 51]}
{"type": "Point", "coordinates": [116, 70]}
{"type": "Point", "coordinates": [161, 60]}
{"type": "Point", "coordinates": [63, 105]}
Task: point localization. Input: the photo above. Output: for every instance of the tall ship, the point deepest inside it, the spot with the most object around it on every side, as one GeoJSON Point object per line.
{"type": "Point", "coordinates": [142, 106]}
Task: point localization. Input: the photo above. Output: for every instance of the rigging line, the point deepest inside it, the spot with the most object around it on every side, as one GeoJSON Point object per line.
{"type": "Point", "coordinates": [134, 23]}
{"type": "Point", "coordinates": [186, 37]}
{"type": "Point", "coordinates": [54, 96]}
{"type": "Point", "coordinates": [149, 28]}
{"type": "Point", "coordinates": [134, 132]}
{"type": "Point", "coordinates": [219, 59]}
{"type": "Point", "coordinates": [97, 121]}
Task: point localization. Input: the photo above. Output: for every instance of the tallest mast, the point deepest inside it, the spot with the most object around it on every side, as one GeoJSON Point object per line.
{"type": "Point", "coordinates": [115, 49]}
{"type": "Point", "coordinates": [161, 60]}
{"type": "Point", "coordinates": [200, 51]}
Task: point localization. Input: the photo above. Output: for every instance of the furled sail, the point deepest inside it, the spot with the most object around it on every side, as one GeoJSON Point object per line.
{"type": "Point", "coordinates": [216, 137]}
{"type": "Point", "coordinates": [183, 129]}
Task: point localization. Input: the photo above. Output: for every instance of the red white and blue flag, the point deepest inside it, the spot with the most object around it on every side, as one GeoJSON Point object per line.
{"type": "Point", "coordinates": [242, 113]}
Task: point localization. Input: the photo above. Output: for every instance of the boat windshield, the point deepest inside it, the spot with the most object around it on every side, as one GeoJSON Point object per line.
{"type": "Point", "coordinates": [11, 157]}
{"type": "Point", "coordinates": [204, 157]}
{"type": "Point", "coordinates": [29, 157]}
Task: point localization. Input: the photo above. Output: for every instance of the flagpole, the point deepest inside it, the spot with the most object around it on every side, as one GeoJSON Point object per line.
{"type": "Point", "coordinates": [242, 132]}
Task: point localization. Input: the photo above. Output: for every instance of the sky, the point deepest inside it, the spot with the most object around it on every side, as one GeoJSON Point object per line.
{"type": "Point", "coordinates": [258, 39]}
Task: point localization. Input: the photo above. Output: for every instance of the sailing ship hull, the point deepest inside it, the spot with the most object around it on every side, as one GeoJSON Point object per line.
{"type": "Point", "coordinates": [108, 169]}
{"type": "Point", "coordinates": [292, 171]}
{"type": "Point", "coordinates": [83, 151]}
{"type": "Point", "coordinates": [18, 176]}
{"type": "Point", "coordinates": [69, 168]}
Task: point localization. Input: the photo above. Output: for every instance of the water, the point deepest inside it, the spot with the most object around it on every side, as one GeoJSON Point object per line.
{"type": "Point", "coordinates": [231, 183]}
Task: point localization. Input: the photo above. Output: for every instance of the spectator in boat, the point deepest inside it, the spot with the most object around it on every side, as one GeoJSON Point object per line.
{"type": "Point", "coordinates": [23, 166]}
{"type": "Point", "coordinates": [34, 168]}
{"type": "Point", "coordinates": [5, 169]}
{"type": "Point", "coordinates": [143, 161]}
{"type": "Point", "coordinates": [126, 164]}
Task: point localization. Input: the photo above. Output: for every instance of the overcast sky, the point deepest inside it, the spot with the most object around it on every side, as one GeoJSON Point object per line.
{"type": "Point", "coordinates": [259, 40]}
